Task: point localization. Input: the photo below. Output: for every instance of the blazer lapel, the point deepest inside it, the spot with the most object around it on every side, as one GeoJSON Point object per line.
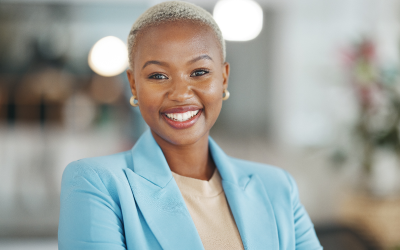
{"type": "Point", "coordinates": [158, 197]}
{"type": "Point", "coordinates": [249, 203]}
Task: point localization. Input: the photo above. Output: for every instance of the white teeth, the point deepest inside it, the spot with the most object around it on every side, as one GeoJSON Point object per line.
{"type": "Point", "coordinates": [181, 117]}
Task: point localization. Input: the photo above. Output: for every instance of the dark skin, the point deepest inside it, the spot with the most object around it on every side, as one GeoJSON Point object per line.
{"type": "Point", "coordinates": [175, 65]}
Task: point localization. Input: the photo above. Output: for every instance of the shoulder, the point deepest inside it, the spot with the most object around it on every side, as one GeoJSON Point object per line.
{"type": "Point", "coordinates": [273, 178]}
{"type": "Point", "coordinates": [101, 172]}
{"type": "Point", "coordinates": [100, 165]}
{"type": "Point", "coordinates": [264, 171]}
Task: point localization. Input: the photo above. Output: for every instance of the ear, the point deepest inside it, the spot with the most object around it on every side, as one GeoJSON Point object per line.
{"type": "Point", "coordinates": [225, 74]}
{"type": "Point", "coordinates": [131, 79]}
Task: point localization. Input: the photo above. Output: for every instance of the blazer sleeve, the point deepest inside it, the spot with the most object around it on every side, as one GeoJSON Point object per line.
{"type": "Point", "coordinates": [306, 238]}
{"type": "Point", "coordinates": [89, 217]}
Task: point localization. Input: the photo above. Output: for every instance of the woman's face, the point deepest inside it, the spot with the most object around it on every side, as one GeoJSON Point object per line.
{"type": "Point", "coordinates": [179, 77]}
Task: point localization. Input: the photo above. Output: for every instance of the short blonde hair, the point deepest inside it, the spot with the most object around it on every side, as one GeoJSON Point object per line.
{"type": "Point", "coordinates": [173, 11]}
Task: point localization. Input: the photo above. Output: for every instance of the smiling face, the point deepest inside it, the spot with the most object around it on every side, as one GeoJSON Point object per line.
{"type": "Point", "coordinates": [178, 77]}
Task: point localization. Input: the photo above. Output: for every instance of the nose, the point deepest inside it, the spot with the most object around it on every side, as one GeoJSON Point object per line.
{"type": "Point", "coordinates": [180, 90]}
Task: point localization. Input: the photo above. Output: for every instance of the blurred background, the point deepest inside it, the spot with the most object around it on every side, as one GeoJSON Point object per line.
{"type": "Point", "coordinates": [315, 90]}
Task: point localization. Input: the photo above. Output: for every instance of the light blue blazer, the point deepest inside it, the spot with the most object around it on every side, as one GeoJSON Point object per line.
{"type": "Point", "coordinates": [131, 201]}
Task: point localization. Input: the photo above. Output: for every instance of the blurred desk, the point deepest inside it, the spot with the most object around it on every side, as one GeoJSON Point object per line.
{"type": "Point", "coordinates": [377, 219]}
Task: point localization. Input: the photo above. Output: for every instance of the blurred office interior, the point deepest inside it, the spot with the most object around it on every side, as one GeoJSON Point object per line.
{"type": "Point", "coordinates": [316, 92]}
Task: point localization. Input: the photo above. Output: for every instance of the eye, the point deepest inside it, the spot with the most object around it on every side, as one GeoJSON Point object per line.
{"type": "Point", "coordinates": [158, 76]}
{"type": "Point", "coordinates": [199, 72]}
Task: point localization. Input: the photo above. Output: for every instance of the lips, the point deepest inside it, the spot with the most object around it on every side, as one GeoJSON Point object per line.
{"type": "Point", "coordinates": [182, 117]}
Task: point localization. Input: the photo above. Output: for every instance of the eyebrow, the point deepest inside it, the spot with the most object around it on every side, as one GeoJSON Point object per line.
{"type": "Point", "coordinates": [200, 58]}
{"type": "Point", "coordinates": [154, 62]}
{"type": "Point", "coordinates": [207, 57]}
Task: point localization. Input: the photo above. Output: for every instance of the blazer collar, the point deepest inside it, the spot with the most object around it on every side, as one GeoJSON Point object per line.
{"type": "Point", "coordinates": [248, 201]}
{"type": "Point", "coordinates": [165, 211]}
{"type": "Point", "coordinates": [159, 199]}
{"type": "Point", "coordinates": [149, 161]}
{"type": "Point", "coordinates": [225, 167]}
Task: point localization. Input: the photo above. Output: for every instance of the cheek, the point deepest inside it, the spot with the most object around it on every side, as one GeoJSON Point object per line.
{"type": "Point", "coordinates": [213, 99]}
{"type": "Point", "coordinates": [149, 103]}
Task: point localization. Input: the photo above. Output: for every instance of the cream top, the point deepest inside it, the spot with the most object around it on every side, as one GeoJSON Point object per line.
{"type": "Point", "coordinates": [210, 212]}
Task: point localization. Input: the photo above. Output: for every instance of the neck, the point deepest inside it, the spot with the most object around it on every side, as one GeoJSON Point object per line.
{"type": "Point", "coordinates": [193, 160]}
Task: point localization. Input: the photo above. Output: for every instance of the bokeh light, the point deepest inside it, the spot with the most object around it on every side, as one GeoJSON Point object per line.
{"type": "Point", "coordinates": [108, 57]}
{"type": "Point", "coordinates": [239, 20]}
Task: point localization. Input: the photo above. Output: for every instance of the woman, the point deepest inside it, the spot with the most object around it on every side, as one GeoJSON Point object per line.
{"type": "Point", "coordinates": [176, 189]}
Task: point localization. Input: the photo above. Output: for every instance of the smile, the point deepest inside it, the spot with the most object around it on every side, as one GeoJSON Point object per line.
{"type": "Point", "coordinates": [181, 117]}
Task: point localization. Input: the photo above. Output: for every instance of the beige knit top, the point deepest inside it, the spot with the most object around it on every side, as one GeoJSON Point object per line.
{"type": "Point", "coordinates": [210, 212]}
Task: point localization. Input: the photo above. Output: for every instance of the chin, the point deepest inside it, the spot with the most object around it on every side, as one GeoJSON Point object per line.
{"type": "Point", "coordinates": [181, 137]}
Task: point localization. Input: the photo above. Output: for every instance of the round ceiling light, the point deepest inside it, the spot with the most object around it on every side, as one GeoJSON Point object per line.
{"type": "Point", "coordinates": [239, 20]}
{"type": "Point", "coordinates": [108, 56]}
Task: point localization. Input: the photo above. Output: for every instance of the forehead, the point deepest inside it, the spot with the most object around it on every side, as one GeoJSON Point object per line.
{"type": "Point", "coordinates": [176, 40]}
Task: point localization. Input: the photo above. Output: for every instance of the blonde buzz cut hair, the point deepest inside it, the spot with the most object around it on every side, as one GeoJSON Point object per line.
{"type": "Point", "coordinates": [173, 11]}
